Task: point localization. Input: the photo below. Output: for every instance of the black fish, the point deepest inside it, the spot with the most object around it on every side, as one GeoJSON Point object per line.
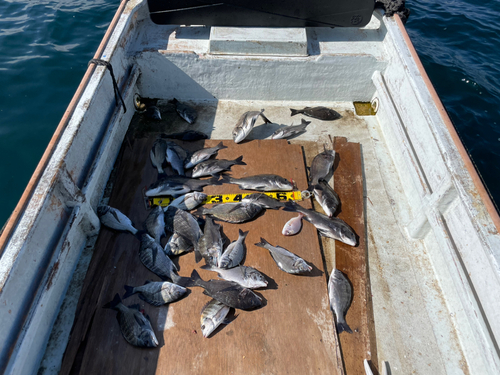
{"type": "Point", "coordinates": [320, 113]}
{"type": "Point", "coordinates": [189, 135]}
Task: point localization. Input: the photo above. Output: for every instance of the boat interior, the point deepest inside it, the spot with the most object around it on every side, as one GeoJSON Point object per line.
{"type": "Point", "coordinates": [426, 250]}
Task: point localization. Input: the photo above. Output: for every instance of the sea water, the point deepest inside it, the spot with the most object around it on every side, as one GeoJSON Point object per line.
{"type": "Point", "coordinates": [45, 46]}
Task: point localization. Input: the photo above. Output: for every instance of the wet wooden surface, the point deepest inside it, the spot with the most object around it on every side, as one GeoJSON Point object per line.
{"type": "Point", "coordinates": [353, 261]}
{"type": "Point", "coordinates": [291, 334]}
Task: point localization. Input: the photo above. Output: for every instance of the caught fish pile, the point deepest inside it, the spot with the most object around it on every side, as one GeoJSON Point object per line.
{"type": "Point", "coordinates": [175, 230]}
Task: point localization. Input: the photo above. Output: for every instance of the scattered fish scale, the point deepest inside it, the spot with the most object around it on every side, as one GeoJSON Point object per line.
{"type": "Point", "coordinates": [247, 277]}
{"type": "Point", "coordinates": [153, 257]}
{"type": "Point", "coordinates": [202, 155]}
{"type": "Point", "coordinates": [156, 293]}
{"type": "Point", "coordinates": [293, 226]}
{"type": "Point", "coordinates": [340, 294]}
{"type": "Point", "coordinates": [246, 123]}
{"type": "Point", "coordinates": [262, 182]}
{"type": "Point", "coordinates": [234, 253]}
{"type": "Point", "coordinates": [134, 326]}
{"type": "Point", "coordinates": [155, 223]}
{"type": "Point", "coordinates": [189, 201]}
{"type": "Point", "coordinates": [210, 244]}
{"type": "Point", "coordinates": [158, 154]}
{"type": "Point", "coordinates": [213, 315]}
{"type": "Point", "coordinates": [233, 212]}
{"type": "Point", "coordinates": [188, 113]}
{"type": "Point", "coordinates": [290, 131]}
{"type": "Point", "coordinates": [326, 197]}
{"type": "Point", "coordinates": [115, 219]}
{"type": "Point", "coordinates": [320, 113]}
{"type": "Point", "coordinates": [286, 260]}
{"type": "Point", "coordinates": [321, 166]}
{"type": "Point", "coordinates": [213, 167]}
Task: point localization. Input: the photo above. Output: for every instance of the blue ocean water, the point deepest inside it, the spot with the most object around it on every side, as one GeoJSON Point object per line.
{"type": "Point", "coordinates": [46, 44]}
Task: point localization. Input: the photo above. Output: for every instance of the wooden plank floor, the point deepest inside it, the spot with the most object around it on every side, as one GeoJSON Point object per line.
{"type": "Point", "coordinates": [291, 334]}
{"type": "Point", "coordinates": [353, 261]}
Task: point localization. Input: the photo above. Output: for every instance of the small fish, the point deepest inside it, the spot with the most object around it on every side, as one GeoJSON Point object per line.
{"type": "Point", "coordinates": [210, 244]}
{"type": "Point", "coordinates": [155, 223]}
{"type": "Point", "coordinates": [320, 113]}
{"type": "Point", "coordinates": [184, 224]}
{"type": "Point", "coordinates": [155, 260]}
{"type": "Point", "coordinates": [189, 201]}
{"type": "Point", "coordinates": [247, 277]}
{"type": "Point", "coordinates": [234, 253]}
{"type": "Point", "coordinates": [233, 212]}
{"type": "Point", "coordinates": [227, 292]}
{"type": "Point", "coordinates": [202, 155]}
{"type": "Point", "coordinates": [262, 182]}
{"type": "Point", "coordinates": [178, 185]}
{"type": "Point", "coordinates": [176, 156]}
{"type": "Point", "coordinates": [340, 293]}
{"type": "Point", "coordinates": [321, 166]}
{"type": "Point", "coordinates": [212, 316]}
{"type": "Point", "coordinates": [286, 260]}
{"type": "Point", "coordinates": [293, 226]}
{"type": "Point", "coordinates": [156, 293]}
{"type": "Point", "coordinates": [213, 167]}
{"type": "Point", "coordinates": [115, 219]}
{"type": "Point", "coordinates": [290, 131]}
{"type": "Point", "coordinates": [246, 123]}
{"type": "Point", "coordinates": [153, 112]}
{"type": "Point", "coordinates": [189, 135]}
{"type": "Point", "coordinates": [188, 113]}
{"type": "Point", "coordinates": [263, 200]}
{"type": "Point", "coordinates": [141, 104]}
{"type": "Point", "coordinates": [328, 227]}
{"type": "Point", "coordinates": [158, 154]}
{"type": "Point", "coordinates": [134, 326]}
{"type": "Point", "coordinates": [177, 245]}
{"type": "Point", "coordinates": [326, 197]}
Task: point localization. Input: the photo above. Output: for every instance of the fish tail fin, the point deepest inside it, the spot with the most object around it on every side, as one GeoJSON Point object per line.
{"type": "Point", "coordinates": [243, 234]}
{"type": "Point", "coordinates": [182, 281]}
{"type": "Point", "coordinates": [129, 290]}
{"type": "Point", "coordinates": [342, 326]}
{"type": "Point", "coordinates": [226, 179]}
{"type": "Point", "coordinates": [290, 206]}
{"type": "Point", "coordinates": [175, 101]}
{"type": "Point", "coordinates": [133, 230]}
{"type": "Point", "coordinates": [239, 161]}
{"type": "Point", "coordinates": [197, 256]}
{"type": "Point", "coordinates": [140, 233]}
{"type": "Point", "coordinates": [305, 123]}
{"type": "Point", "coordinates": [195, 280]}
{"type": "Point", "coordinates": [294, 112]}
{"type": "Point", "coordinates": [220, 146]}
{"type": "Point", "coordinates": [266, 120]}
{"type": "Point", "coordinates": [115, 302]}
{"type": "Point", "coordinates": [215, 180]}
{"type": "Point", "coordinates": [262, 243]}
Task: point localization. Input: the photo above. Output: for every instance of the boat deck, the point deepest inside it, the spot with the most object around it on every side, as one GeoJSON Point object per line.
{"type": "Point", "coordinates": [403, 290]}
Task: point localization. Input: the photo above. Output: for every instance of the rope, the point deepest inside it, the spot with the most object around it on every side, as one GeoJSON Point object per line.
{"type": "Point", "coordinates": [394, 6]}
{"type": "Point", "coordinates": [107, 64]}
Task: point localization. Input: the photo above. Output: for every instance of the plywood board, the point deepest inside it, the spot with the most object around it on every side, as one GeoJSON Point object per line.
{"type": "Point", "coordinates": [353, 261]}
{"type": "Point", "coordinates": [292, 333]}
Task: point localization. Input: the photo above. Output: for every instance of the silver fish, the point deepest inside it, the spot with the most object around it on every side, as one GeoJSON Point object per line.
{"type": "Point", "coordinates": [326, 197]}
{"type": "Point", "coordinates": [210, 244]}
{"type": "Point", "coordinates": [328, 227]}
{"type": "Point", "coordinates": [213, 167]}
{"type": "Point", "coordinates": [293, 226]}
{"type": "Point", "coordinates": [156, 293]}
{"type": "Point", "coordinates": [155, 223]}
{"type": "Point", "coordinates": [158, 154]}
{"type": "Point", "coordinates": [262, 182]}
{"type": "Point", "coordinates": [115, 219]}
{"type": "Point", "coordinates": [212, 316]}
{"type": "Point", "coordinates": [234, 253]}
{"type": "Point", "coordinates": [321, 166]}
{"type": "Point", "coordinates": [184, 224]}
{"type": "Point", "coordinates": [153, 257]}
{"type": "Point", "coordinates": [263, 200]}
{"type": "Point", "coordinates": [320, 113]}
{"type": "Point", "coordinates": [186, 112]}
{"type": "Point", "coordinates": [178, 185]}
{"type": "Point", "coordinates": [286, 260]}
{"type": "Point", "coordinates": [153, 112]}
{"type": "Point", "coordinates": [233, 212]}
{"type": "Point", "coordinates": [246, 123]}
{"type": "Point", "coordinates": [177, 245]}
{"type": "Point", "coordinates": [176, 156]}
{"type": "Point", "coordinates": [340, 293]}
{"type": "Point", "coordinates": [202, 155]}
{"type": "Point", "coordinates": [291, 130]}
{"type": "Point", "coordinates": [134, 326]}
{"type": "Point", "coordinates": [189, 201]}
{"type": "Point", "coordinates": [247, 277]}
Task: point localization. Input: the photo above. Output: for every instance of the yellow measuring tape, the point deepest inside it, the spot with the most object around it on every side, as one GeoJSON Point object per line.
{"type": "Point", "coordinates": [233, 198]}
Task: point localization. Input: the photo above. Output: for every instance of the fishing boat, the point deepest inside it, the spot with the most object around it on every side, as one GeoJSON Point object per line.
{"type": "Point", "coordinates": [428, 258]}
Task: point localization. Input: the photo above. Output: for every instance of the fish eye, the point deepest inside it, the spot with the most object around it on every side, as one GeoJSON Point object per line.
{"type": "Point", "coordinates": [203, 327]}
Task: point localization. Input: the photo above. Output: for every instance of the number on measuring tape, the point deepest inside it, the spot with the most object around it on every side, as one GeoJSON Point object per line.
{"type": "Point", "coordinates": [218, 198]}
{"type": "Point", "coordinates": [237, 198]}
{"type": "Point", "coordinates": [281, 196]}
